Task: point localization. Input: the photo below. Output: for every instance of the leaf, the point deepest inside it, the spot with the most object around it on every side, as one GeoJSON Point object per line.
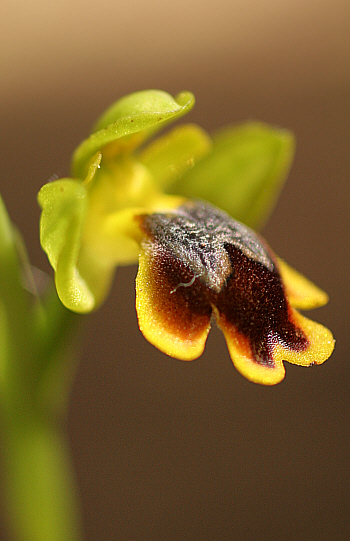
{"type": "Point", "coordinates": [244, 172]}
{"type": "Point", "coordinates": [6, 235]}
{"type": "Point", "coordinates": [129, 122]}
{"type": "Point", "coordinates": [11, 266]}
{"type": "Point", "coordinates": [15, 315]}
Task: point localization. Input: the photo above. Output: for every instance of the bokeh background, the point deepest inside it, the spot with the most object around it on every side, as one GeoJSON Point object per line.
{"type": "Point", "coordinates": [173, 451]}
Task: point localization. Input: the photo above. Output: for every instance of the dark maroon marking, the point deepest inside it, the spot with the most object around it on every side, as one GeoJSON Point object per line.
{"type": "Point", "coordinates": [195, 240]}
{"type": "Point", "coordinates": [185, 308]}
{"type": "Point", "coordinates": [253, 301]}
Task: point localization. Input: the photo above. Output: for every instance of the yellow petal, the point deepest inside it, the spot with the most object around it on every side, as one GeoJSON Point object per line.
{"type": "Point", "coordinates": [301, 293]}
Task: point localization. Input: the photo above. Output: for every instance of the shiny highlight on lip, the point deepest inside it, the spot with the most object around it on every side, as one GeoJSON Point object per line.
{"type": "Point", "coordinates": [196, 262]}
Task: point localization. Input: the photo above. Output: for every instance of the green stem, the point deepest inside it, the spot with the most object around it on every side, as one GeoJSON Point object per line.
{"type": "Point", "coordinates": [39, 481]}
{"type": "Point", "coordinates": [36, 369]}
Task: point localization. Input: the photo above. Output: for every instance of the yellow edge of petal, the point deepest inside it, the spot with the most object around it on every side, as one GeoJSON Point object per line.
{"type": "Point", "coordinates": [321, 344]}
{"type": "Point", "coordinates": [301, 293]}
{"type": "Point", "coordinates": [264, 375]}
{"type": "Point", "coordinates": [241, 356]}
{"type": "Point", "coordinates": [151, 322]}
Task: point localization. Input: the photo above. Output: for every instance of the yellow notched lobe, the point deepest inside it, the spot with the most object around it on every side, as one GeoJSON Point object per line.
{"type": "Point", "coordinates": [243, 359]}
{"type": "Point", "coordinates": [301, 293]}
{"type": "Point", "coordinates": [257, 373]}
{"type": "Point", "coordinates": [319, 349]}
{"type": "Point", "coordinates": [161, 321]}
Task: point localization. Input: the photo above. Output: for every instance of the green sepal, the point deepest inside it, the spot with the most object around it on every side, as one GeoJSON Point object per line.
{"type": "Point", "coordinates": [82, 279]}
{"type": "Point", "coordinates": [129, 122]}
{"type": "Point", "coordinates": [64, 205]}
{"type": "Point", "coordinates": [244, 172]}
{"type": "Point", "coordinates": [170, 156]}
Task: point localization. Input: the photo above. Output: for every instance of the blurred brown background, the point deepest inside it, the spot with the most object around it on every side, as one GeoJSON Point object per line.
{"type": "Point", "coordinates": [173, 451]}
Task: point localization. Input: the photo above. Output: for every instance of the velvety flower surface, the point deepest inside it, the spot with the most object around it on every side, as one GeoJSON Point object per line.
{"type": "Point", "coordinates": [197, 262]}
{"type": "Point", "coordinates": [126, 203]}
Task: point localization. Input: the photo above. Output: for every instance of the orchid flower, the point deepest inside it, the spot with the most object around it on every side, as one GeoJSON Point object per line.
{"type": "Point", "coordinates": [158, 205]}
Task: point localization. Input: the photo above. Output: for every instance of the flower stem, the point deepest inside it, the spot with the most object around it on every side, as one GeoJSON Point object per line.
{"type": "Point", "coordinates": [39, 480]}
{"type": "Point", "coordinates": [36, 369]}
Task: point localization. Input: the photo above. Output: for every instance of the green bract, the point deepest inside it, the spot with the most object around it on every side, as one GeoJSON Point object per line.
{"type": "Point", "coordinates": [88, 224]}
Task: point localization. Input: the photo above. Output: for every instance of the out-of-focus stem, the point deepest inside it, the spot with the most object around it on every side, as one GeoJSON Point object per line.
{"type": "Point", "coordinates": [39, 480]}
{"type": "Point", "coordinates": [36, 368]}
